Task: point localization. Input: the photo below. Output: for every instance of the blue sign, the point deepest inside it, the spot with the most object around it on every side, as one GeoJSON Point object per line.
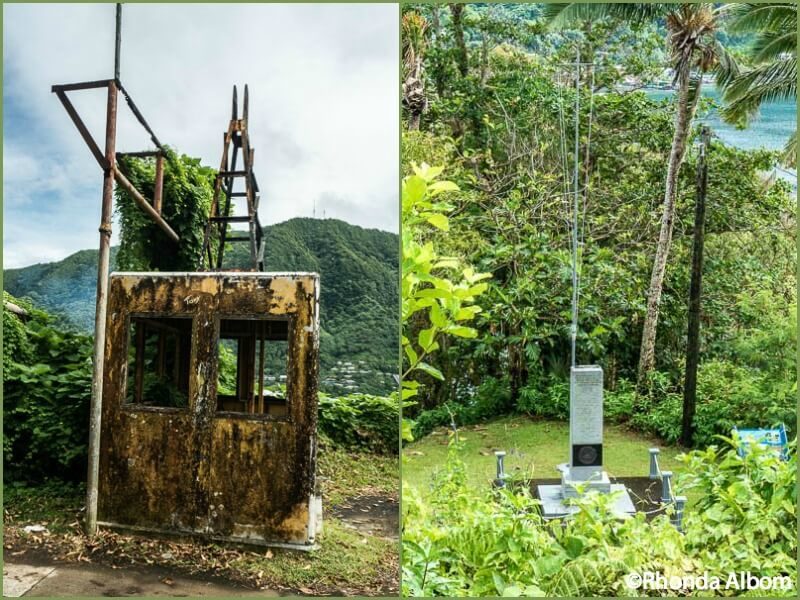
{"type": "Point", "coordinates": [774, 439]}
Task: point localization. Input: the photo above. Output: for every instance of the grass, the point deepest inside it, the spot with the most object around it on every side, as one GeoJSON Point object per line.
{"type": "Point", "coordinates": [534, 447]}
{"type": "Point", "coordinates": [348, 562]}
{"type": "Point", "coordinates": [56, 505]}
{"type": "Point", "coordinates": [344, 474]}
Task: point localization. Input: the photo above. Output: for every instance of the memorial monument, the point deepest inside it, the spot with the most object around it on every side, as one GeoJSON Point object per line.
{"type": "Point", "coordinates": [584, 472]}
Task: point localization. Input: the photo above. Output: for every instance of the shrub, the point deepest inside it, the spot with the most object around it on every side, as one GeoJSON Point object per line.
{"type": "Point", "coordinates": [491, 399]}
{"type": "Point", "coordinates": [46, 393]}
{"type": "Point", "coordinates": [618, 403]}
{"type": "Point", "coordinates": [728, 396]}
{"type": "Point", "coordinates": [459, 542]}
{"type": "Point", "coordinates": [547, 397]}
{"type": "Point", "coordinates": [745, 517]}
{"type": "Point", "coordinates": [361, 421]}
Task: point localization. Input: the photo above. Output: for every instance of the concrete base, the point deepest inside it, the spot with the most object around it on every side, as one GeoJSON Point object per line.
{"type": "Point", "coordinates": [97, 581]}
{"type": "Point", "coordinates": [201, 534]}
{"type": "Point", "coordinates": [553, 505]}
{"type": "Point", "coordinates": [569, 485]}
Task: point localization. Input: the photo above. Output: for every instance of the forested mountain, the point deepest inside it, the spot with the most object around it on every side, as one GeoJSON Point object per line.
{"type": "Point", "coordinates": [359, 294]}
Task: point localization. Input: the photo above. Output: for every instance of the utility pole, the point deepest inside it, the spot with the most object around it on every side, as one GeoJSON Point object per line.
{"type": "Point", "coordinates": [96, 408]}
{"type": "Point", "coordinates": [107, 160]}
{"type": "Point", "coordinates": [695, 291]}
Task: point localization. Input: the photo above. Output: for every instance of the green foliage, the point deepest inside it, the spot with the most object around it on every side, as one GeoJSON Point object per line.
{"type": "Point", "coordinates": [491, 398]}
{"type": "Point", "coordinates": [226, 370]}
{"type": "Point", "coordinates": [47, 376]}
{"type": "Point", "coordinates": [746, 515]}
{"type": "Point", "coordinates": [773, 54]}
{"type": "Point", "coordinates": [505, 134]}
{"type": "Point", "coordinates": [730, 396]}
{"type": "Point", "coordinates": [546, 399]}
{"type": "Point", "coordinates": [361, 421]}
{"type": "Point", "coordinates": [187, 195]}
{"type": "Point", "coordinates": [438, 292]}
{"type": "Point", "coordinates": [494, 543]}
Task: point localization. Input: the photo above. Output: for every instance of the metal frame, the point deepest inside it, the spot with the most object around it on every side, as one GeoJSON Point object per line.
{"type": "Point", "coordinates": [220, 216]}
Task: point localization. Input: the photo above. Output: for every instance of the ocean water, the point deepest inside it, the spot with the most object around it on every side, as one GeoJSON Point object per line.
{"type": "Point", "coordinates": [770, 129]}
{"type": "Point", "coordinates": [773, 126]}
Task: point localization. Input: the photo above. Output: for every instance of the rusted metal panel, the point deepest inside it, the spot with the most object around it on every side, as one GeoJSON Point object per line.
{"type": "Point", "coordinates": [239, 476]}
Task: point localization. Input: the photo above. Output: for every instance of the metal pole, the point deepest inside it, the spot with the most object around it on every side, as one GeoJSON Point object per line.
{"type": "Point", "coordinates": [118, 41]}
{"type": "Point", "coordinates": [574, 327]}
{"type": "Point", "coordinates": [501, 471]}
{"type": "Point", "coordinates": [100, 313]}
{"type": "Point", "coordinates": [654, 470]}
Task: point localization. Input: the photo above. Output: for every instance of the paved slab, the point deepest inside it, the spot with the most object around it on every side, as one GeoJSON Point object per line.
{"type": "Point", "coordinates": [19, 578]}
{"type": "Point", "coordinates": [553, 502]}
{"type": "Point", "coordinates": [99, 580]}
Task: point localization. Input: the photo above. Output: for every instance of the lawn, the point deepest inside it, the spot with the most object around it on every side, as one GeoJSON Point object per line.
{"type": "Point", "coordinates": [348, 561]}
{"type": "Point", "coordinates": [534, 447]}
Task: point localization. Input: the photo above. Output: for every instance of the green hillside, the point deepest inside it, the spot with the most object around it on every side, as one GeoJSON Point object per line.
{"type": "Point", "coordinates": [359, 296]}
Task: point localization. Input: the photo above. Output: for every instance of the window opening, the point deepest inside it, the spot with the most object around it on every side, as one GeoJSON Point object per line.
{"type": "Point", "coordinates": [252, 365]}
{"type": "Point", "coordinates": [159, 351]}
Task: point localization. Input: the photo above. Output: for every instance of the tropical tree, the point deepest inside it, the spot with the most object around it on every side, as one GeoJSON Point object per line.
{"type": "Point", "coordinates": [774, 56]}
{"type": "Point", "coordinates": [414, 27]}
{"type": "Point", "coordinates": [694, 50]}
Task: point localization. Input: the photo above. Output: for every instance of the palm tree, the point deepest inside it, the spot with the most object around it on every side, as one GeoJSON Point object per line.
{"type": "Point", "coordinates": [694, 50]}
{"type": "Point", "coordinates": [774, 56]}
{"type": "Point", "coordinates": [414, 28]}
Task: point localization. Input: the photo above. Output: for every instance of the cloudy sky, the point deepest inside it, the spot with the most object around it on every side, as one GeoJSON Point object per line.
{"type": "Point", "coordinates": [323, 108]}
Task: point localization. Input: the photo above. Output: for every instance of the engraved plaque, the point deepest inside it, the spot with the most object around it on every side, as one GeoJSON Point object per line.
{"type": "Point", "coordinates": [586, 419]}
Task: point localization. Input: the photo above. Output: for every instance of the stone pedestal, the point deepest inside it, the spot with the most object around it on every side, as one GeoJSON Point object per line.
{"type": "Point", "coordinates": [585, 432]}
{"type": "Point", "coordinates": [569, 486]}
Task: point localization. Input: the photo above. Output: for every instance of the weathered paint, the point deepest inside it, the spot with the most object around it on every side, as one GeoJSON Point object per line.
{"type": "Point", "coordinates": [243, 477]}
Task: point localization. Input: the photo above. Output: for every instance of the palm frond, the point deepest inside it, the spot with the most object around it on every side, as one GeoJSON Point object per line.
{"type": "Point", "coordinates": [695, 83]}
{"type": "Point", "coordinates": [771, 45]}
{"type": "Point", "coordinates": [765, 83]}
{"type": "Point", "coordinates": [691, 29]}
{"type": "Point", "coordinates": [561, 15]}
{"type": "Point", "coordinates": [726, 68]}
{"type": "Point", "coordinates": [747, 17]}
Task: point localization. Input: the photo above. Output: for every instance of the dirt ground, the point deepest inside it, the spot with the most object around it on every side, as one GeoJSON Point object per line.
{"type": "Point", "coordinates": [33, 567]}
{"type": "Point", "coordinates": [371, 514]}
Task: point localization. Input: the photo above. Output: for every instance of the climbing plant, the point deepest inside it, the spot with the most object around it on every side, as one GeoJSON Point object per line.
{"type": "Point", "coordinates": [187, 195]}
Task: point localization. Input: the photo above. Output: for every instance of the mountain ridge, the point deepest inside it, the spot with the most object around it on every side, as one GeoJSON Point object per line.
{"type": "Point", "coordinates": [359, 304]}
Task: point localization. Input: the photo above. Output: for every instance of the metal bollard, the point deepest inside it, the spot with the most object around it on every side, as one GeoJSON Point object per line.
{"type": "Point", "coordinates": [677, 518]}
{"type": "Point", "coordinates": [666, 487]}
{"type": "Point", "coordinates": [654, 463]}
{"type": "Point", "coordinates": [501, 472]}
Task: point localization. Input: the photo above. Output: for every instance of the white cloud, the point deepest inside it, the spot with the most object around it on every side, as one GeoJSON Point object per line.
{"type": "Point", "coordinates": [323, 107]}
